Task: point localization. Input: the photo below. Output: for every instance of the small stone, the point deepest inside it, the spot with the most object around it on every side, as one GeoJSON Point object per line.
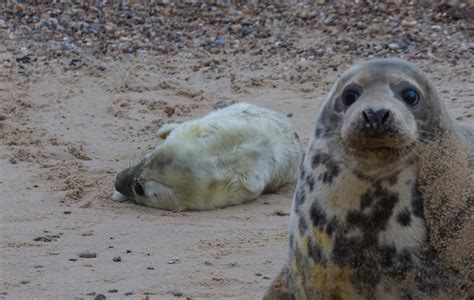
{"type": "Point", "coordinates": [117, 259]}
{"type": "Point", "coordinates": [150, 268]}
{"type": "Point", "coordinates": [394, 46]}
{"type": "Point", "coordinates": [173, 261]}
{"type": "Point", "coordinates": [128, 251]}
{"type": "Point", "coordinates": [87, 254]}
{"type": "Point", "coordinates": [100, 297]}
{"type": "Point", "coordinates": [258, 274]}
{"type": "Point", "coordinates": [128, 294]}
{"type": "Point", "coordinates": [100, 68]}
{"type": "Point", "coordinates": [90, 294]}
{"type": "Point", "coordinates": [266, 277]}
{"type": "Point", "coordinates": [38, 266]}
{"type": "Point", "coordinates": [279, 213]}
{"type": "Point", "coordinates": [67, 212]}
{"type": "Point", "coordinates": [112, 291]}
{"type": "Point", "coordinates": [177, 293]}
{"type": "Point", "coordinates": [73, 259]}
{"type": "Point", "coordinates": [13, 161]}
{"type": "Point", "coordinates": [24, 281]}
{"type": "Point", "coordinates": [289, 115]}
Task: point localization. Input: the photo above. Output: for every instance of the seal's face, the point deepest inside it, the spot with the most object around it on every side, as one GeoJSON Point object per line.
{"type": "Point", "coordinates": [378, 109]}
{"type": "Point", "coordinates": [155, 180]}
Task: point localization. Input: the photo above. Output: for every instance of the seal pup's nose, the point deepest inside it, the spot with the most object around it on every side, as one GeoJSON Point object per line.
{"type": "Point", "coordinates": [123, 182]}
{"type": "Point", "coordinates": [376, 119]}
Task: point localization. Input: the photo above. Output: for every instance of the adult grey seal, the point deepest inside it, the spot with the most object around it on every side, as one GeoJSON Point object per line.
{"type": "Point", "coordinates": [383, 206]}
{"type": "Point", "coordinates": [228, 157]}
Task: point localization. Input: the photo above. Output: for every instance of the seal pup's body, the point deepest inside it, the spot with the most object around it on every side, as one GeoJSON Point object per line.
{"type": "Point", "coordinates": [225, 158]}
{"type": "Point", "coordinates": [371, 218]}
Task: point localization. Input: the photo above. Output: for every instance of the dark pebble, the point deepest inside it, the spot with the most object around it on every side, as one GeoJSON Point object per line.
{"type": "Point", "coordinates": [38, 266]}
{"type": "Point", "coordinates": [177, 293]}
{"type": "Point", "coordinates": [87, 254]}
{"type": "Point", "coordinates": [117, 259]}
{"type": "Point", "coordinates": [100, 297]}
{"type": "Point", "coordinates": [128, 294]}
{"type": "Point", "coordinates": [289, 115]}
{"type": "Point", "coordinates": [24, 281]}
{"type": "Point", "coordinates": [100, 68]}
{"type": "Point", "coordinates": [90, 294]}
{"type": "Point", "coordinates": [150, 268]}
{"type": "Point", "coordinates": [67, 212]}
{"type": "Point", "coordinates": [112, 291]}
{"type": "Point", "coordinates": [129, 251]}
{"type": "Point", "coordinates": [73, 259]}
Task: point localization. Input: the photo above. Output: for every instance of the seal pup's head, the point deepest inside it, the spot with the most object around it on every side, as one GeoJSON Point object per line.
{"type": "Point", "coordinates": [158, 180]}
{"type": "Point", "coordinates": [378, 111]}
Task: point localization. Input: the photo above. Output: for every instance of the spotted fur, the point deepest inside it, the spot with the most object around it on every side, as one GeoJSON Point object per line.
{"type": "Point", "coordinates": [358, 226]}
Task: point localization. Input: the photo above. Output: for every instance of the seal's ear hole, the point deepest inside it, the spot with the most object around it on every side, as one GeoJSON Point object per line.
{"type": "Point", "coordinates": [138, 188]}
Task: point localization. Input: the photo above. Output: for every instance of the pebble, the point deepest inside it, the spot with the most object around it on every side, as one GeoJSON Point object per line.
{"type": "Point", "coordinates": [117, 259]}
{"type": "Point", "coordinates": [128, 294]}
{"type": "Point", "coordinates": [73, 259]}
{"type": "Point", "coordinates": [177, 293]}
{"type": "Point", "coordinates": [112, 291]}
{"type": "Point", "coordinates": [87, 254]}
{"type": "Point", "coordinates": [173, 261]}
{"type": "Point", "coordinates": [24, 281]}
{"type": "Point", "coordinates": [100, 297]}
{"type": "Point", "coordinates": [394, 46]}
{"type": "Point", "coordinates": [150, 268]}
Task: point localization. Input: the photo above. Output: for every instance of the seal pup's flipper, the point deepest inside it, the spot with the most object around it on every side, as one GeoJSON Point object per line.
{"type": "Point", "coordinates": [166, 129]}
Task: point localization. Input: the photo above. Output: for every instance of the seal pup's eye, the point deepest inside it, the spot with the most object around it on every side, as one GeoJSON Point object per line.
{"type": "Point", "coordinates": [349, 96]}
{"type": "Point", "coordinates": [139, 189]}
{"type": "Point", "coordinates": [411, 97]}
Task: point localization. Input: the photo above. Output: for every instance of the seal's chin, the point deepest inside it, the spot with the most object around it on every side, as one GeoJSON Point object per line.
{"type": "Point", "coordinates": [387, 149]}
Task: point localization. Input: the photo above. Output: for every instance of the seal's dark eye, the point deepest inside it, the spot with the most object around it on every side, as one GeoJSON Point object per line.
{"type": "Point", "coordinates": [138, 189]}
{"type": "Point", "coordinates": [411, 97]}
{"type": "Point", "coordinates": [349, 97]}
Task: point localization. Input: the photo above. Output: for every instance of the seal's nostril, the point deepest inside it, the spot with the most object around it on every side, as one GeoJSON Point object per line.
{"type": "Point", "coordinates": [366, 118]}
{"type": "Point", "coordinates": [385, 116]}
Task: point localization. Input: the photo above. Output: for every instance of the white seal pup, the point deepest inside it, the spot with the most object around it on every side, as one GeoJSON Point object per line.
{"type": "Point", "coordinates": [383, 206]}
{"type": "Point", "coordinates": [227, 157]}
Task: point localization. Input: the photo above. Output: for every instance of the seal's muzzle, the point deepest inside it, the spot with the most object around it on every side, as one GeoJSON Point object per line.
{"type": "Point", "coordinates": [123, 182]}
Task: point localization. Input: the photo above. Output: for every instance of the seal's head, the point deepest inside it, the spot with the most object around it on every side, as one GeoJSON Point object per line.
{"type": "Point", "coordinates": [379, 110]}
{"type": "Point", "coordinates": [159, 180]}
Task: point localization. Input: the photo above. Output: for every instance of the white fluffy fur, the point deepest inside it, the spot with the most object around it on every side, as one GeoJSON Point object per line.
{"type": "Point", "coordinates": [227, 157]}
